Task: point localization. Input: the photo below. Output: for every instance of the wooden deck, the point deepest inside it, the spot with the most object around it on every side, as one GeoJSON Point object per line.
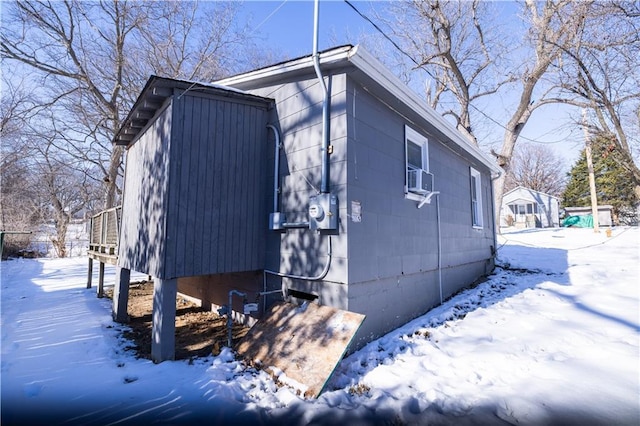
{"type": "Point", "coordinates": [103, 239]}
{"type": "Point", "coordinates": [103, 243]}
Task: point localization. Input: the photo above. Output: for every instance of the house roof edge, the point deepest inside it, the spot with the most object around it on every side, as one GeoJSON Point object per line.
{"type": "Point", "coordinates": [368, 64]}
{"type": "Point", "coordinates": [528, 189]}
{"type": "Point", "coordinates": [373, 67]}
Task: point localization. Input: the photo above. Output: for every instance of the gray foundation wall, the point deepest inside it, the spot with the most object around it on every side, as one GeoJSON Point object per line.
{"type": "Point", "coordinates": [394, 301]}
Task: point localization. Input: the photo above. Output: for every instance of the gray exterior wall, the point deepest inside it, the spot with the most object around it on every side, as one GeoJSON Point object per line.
{"type": "Point", "coordinates": [146, 194]}
{"type": "Point", "coordinates": [393, 250]}
{"type": "Point", "coordinates": [298, 115]}
{"type": "Point", "coordinates": [386, 265]}
{"type": "Point", "coordinates": [194, 193]}
{"type": "Point", "coordinates": [201, 175]}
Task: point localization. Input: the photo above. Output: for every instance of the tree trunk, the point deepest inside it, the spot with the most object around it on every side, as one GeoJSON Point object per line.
{"type": "Point", "coordinates": [62, 224]}
{"type": "Point", "coordinates": [111, 179]}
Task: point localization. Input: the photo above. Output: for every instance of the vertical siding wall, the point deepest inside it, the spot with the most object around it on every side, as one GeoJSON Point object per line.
{"type": "Point", "coordinates": [216, 212]}
{"type": "Point", "coordinates": [144, 205]}
{"type": "Point", "coordinates": [298, 114]}
{"type": "Point", "coordinates": [194, 189]}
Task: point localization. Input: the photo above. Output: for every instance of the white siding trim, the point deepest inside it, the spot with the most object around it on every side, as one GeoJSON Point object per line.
{"type": "Point", "coordinates": [477, 220]}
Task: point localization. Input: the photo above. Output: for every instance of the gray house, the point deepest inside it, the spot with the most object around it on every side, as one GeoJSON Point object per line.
{"type": "Point", "coordinates": [324, 177]}
{"type": "Point", "coordinates": [527, 208]}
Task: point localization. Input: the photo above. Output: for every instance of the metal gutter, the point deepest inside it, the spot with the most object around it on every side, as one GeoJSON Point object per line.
{"type": "Point", "coordinates": [365, 62]}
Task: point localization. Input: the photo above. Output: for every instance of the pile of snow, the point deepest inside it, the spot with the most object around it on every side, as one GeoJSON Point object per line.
{"type": "Point", "coordinates": [553, 337]}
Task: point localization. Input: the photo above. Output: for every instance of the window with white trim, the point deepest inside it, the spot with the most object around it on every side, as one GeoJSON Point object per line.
{"type": "Point", "coordinates": [476, 198]}
{"type": "Point", "coordinates": [418, 180]}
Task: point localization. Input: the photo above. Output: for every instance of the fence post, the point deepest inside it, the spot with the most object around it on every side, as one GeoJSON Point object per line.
{"type": "Point", "coordinates": [90, 273]}
{"type": "Point", "coordinates": [101, 281]}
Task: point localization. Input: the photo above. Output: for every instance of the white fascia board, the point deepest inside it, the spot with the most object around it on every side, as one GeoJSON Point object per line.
{"type": "Point", "coordinates": [528, 190]}
{"type": "Point", "coordinates": [374, 68]}
{"type": "Point", "coordinates": [326, 58]}
{"type": "Point", "coordinates": [364, 61]}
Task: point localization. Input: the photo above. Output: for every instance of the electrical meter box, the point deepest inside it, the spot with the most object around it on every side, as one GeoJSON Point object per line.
{"type": "Point", "coordinates": [323, 212]}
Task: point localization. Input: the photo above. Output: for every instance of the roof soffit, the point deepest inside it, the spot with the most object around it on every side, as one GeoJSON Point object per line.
{"type": "Point", "coordinates": [158, 90]}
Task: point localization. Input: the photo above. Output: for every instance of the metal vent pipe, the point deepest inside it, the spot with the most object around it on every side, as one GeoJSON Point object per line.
{"type": "Point", "coordinates": [324, 151]}
{"type": "Point", "coordinates": [276, 173]}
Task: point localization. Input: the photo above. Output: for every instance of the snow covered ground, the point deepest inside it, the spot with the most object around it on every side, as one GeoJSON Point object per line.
{"type": "Point", "coordinates": [552, 339]}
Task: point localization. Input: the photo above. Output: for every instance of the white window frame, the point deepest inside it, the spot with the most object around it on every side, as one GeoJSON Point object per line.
{"type": "Point", "coordinates": [412, 136]}
{"type": "Point", "coordinates": [475, 181]}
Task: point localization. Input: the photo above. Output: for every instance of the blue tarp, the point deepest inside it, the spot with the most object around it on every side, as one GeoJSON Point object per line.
{"type": "Point", "coordinates": [583, 221]}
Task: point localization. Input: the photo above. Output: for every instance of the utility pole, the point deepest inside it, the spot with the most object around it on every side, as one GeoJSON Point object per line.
{"type": "Point", "coordinates": [592, 179]}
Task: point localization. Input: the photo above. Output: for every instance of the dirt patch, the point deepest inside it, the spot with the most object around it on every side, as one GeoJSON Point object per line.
{"type": "Point", "coordinates": [199, 332]}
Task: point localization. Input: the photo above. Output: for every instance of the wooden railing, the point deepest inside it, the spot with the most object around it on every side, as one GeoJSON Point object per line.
{"type": "Point", "coordinates": [105, 230]}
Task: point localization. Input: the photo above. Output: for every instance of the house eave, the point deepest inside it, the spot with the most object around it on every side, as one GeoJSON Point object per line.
{"type": "Point", "coordinates": [374, 68]}
{"type": "Point", "coordinates": [378, 73]}
{"type": "Point", "coordinates": [154, 95]}
{"type": "Point", "coordinates": [530, 190]}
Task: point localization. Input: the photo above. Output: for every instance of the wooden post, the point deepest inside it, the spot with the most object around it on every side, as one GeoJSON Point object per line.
{"type": "Point", "coordinates": [90, 273]}
{"type": "Point", "coordinates": [101, 281]}
{"type": "Point", "coordinates": [163, 330]}
{"type": "Point", "coordinates": [592, 189]}
{"type": "Point", "coordinates": [121, 295]}
{"type": "Point", "coordinates": [592, 179]}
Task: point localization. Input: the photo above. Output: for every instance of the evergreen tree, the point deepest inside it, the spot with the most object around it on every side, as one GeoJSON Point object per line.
{"type": "Point", "coordinates": [614, 183]}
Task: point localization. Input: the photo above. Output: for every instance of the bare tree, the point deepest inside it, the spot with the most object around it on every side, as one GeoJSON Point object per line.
{"type": "Point", "coordinates": [460, 48]}
{"type": "Point", "coordinates": [68, 191]}
{"type": "Point", "coordinates": [458, 43]}
{"type": "Point", "coordinates": [536, 167]}
{"type": "Point", "coordinates": [19, 205]}
{"type": "Point", "coordinates": [90, 59]}
{"type": "Point", "coordinates": [600, 74]}
{"type": "Point", "coordinates": [553, 24]}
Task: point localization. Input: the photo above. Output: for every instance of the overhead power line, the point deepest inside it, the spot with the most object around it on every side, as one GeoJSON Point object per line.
{"type": "Point", "coordinates": [385, 35]}
{"type": "Point", "coordinates": [269, 16]}
{"type": "Point", "coordinates": [366, 18]}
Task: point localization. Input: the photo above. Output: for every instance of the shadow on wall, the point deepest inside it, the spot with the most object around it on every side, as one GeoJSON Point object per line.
{"type": "Point", "coordinates": [302, 252]}
{"type": "Point", "coordinates": [144, 209]}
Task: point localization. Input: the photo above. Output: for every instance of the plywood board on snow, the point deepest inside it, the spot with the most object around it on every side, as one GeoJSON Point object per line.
{"type": "Point", "coordinates": [304, 342]}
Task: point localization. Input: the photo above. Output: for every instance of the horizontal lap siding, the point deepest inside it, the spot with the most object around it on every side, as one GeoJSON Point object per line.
{"type": "Point", "coordinates": [218, 216]}
{"type": "Point", "coordinates": [298, 115]}
{"type": "Point", "coordinates": [394, 237]}
{"type": "Point", "coordinates": [144, 206]}
{"type": "Point", "coordinates": [393, 250]}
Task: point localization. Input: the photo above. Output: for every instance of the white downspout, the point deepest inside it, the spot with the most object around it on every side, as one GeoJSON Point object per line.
{"type": "Point", "coordinates": [276, 173]}
{"type": "Point", "coordinates": [439, 245]}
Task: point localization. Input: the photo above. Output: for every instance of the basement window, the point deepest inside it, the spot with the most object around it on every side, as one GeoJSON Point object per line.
{"type": "Point", "coordinates": [476, 198]}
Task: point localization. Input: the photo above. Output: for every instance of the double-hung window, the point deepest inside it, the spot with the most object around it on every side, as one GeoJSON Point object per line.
{"type": "Point", "coordinates": [418, 179]}
{"type": "Point", "coordinates": [476, 198]}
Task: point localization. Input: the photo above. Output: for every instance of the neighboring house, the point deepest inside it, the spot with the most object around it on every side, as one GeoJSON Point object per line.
{"type": "Point", "coordinates": [527, 208]}
{"type": "Point", "coordinates": [382, 209]}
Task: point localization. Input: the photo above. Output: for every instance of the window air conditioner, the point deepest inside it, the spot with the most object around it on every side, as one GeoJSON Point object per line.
{"type": "Point", "coordinates": [419, 181]}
